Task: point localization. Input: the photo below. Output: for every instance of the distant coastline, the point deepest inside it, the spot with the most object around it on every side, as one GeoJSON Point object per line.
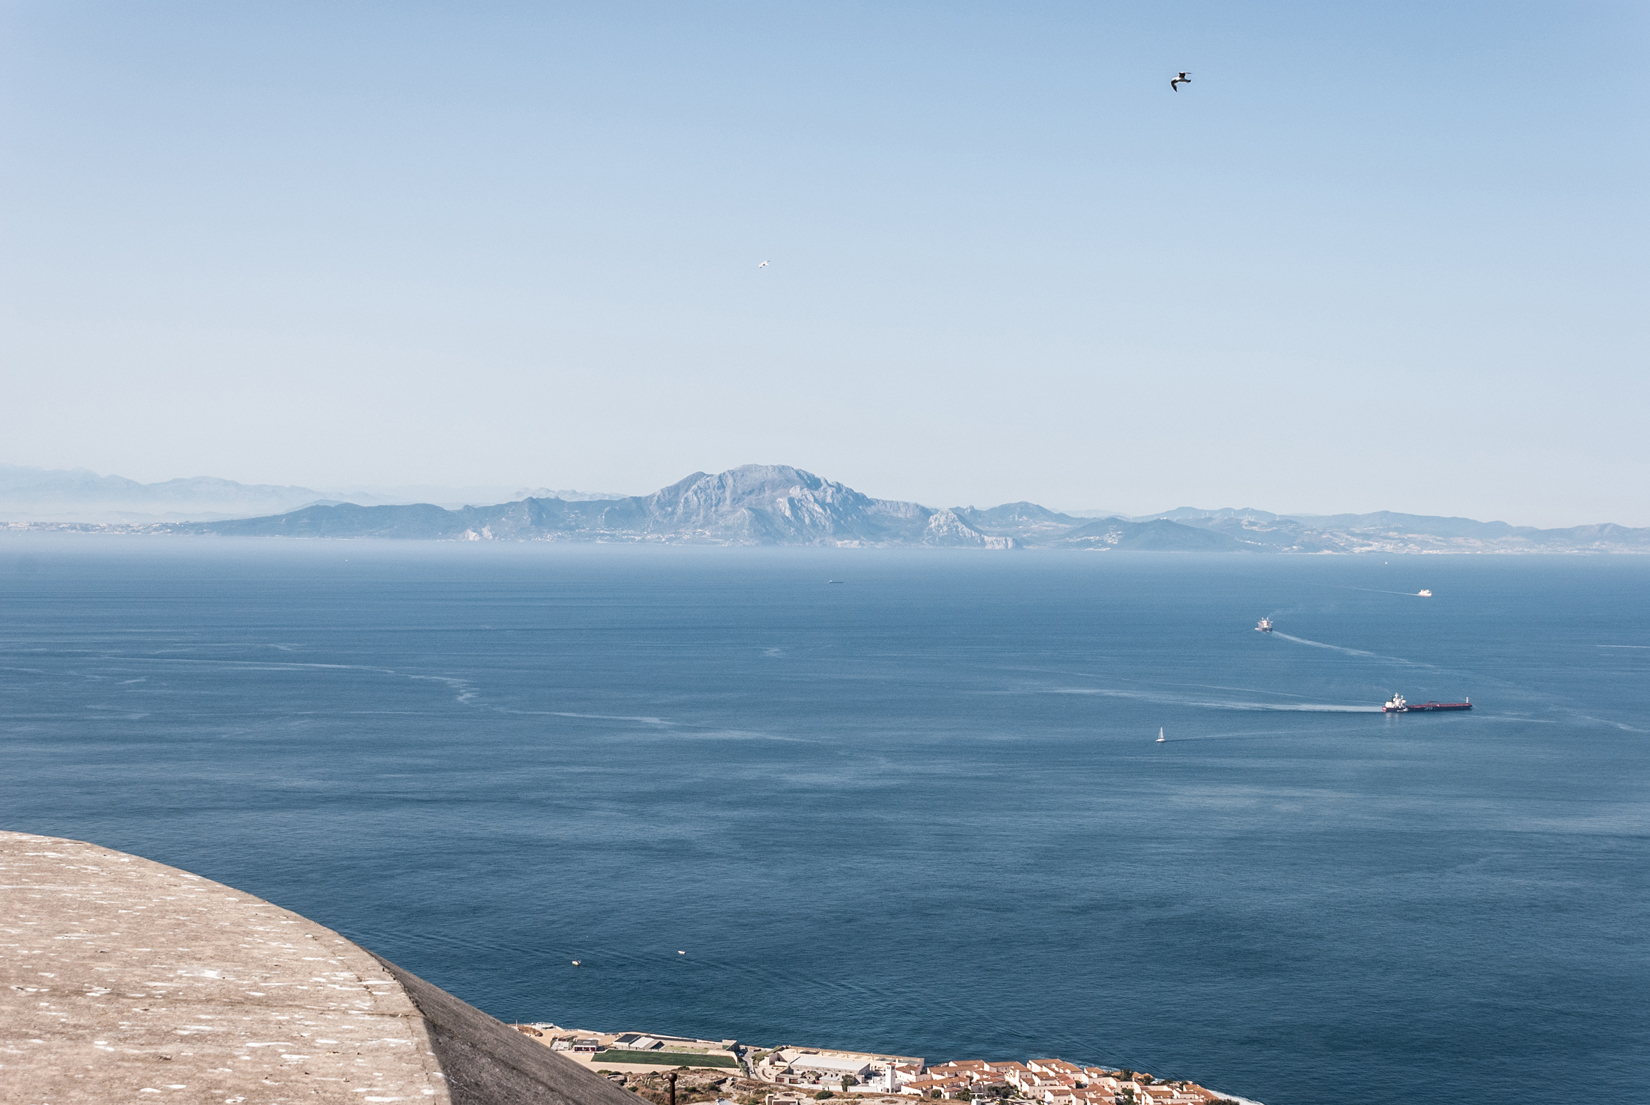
{"type": "Point", "coordinates": [789, 1074]}
{"type": "Point", "coordinates": [777, 505]}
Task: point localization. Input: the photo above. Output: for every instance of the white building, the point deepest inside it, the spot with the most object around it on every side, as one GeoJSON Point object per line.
{"type": "Point", "coordinates": [830, 1066]}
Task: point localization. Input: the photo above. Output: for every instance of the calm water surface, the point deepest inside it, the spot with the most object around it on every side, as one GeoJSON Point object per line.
{"type": "Point", "coordinates": [919, 811]}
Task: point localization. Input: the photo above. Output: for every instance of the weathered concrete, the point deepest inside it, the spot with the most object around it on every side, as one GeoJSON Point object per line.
{"type": "Point", "coordinates": [488, 1063]}
{"type": "Point", "coordinates": [122, 980]}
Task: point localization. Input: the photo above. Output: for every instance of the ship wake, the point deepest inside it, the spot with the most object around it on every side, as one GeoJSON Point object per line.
{"type": "Point", "coordinates": [1350, 651]}
{"type": "Point", "coordinates": [1218, 704]}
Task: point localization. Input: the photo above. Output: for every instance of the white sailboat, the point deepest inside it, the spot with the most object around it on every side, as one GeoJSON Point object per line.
{"type": "Point", "coordinates": [1160, 737]}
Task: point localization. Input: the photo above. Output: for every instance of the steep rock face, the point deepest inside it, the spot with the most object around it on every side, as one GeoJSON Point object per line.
{"type": "Point", "coordinates": [900, 522]}
{"type": "Point", "coordinates": [764, 504]}
{"type": "Point", "coordinates": [945, 529]}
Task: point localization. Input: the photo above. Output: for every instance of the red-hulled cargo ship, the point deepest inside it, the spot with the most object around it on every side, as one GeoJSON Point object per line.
{"type": "Point", "coordinates": [1397, 705]}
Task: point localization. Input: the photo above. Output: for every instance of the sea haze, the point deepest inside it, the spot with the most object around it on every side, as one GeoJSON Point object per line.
{"type": "Point", "coordinates": [921, 810]}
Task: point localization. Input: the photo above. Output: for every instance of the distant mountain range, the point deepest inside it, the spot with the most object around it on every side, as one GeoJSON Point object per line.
{"type": "Point", "coordinates": [78, 495]}
{"type": "Point", "coordinates": [773, 505]}
{"type": "Point", "coordinates": [1386, 531]}
{"type": "Point", "coordinates": [780, 505]}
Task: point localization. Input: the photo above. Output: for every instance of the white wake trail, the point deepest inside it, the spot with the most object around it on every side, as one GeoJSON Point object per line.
{"type": "Point", "coordinates": [1378, 591]}
{"type": "Point", "coordinates": [1353, 651]}
{"type": "Point", "coordinates": [1206, 704]}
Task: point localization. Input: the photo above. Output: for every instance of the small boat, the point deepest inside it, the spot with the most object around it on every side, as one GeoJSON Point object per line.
{"type": "Point", "coordinates": [1265, 626]}
{"type": "Point", "coordinates": [1160, 737]}
{"type": "Point", "coordinates": [833, 581]}
{"type": "Point", "coordinates": [575, 962]}
{"type": "Point", "coordinates": [1423, 593]}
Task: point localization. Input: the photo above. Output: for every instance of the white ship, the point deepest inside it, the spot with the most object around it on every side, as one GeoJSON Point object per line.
{"type": "Point", "coordinates": [1265, 626]}
{"type": "Point", "coordinates": [1160, 737]}
{"type": "Point", "coordinates": [1423, 594]}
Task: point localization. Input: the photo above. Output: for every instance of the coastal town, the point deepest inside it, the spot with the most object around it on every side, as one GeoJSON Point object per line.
{"type": "Point", "coordinates": [674, 1070]}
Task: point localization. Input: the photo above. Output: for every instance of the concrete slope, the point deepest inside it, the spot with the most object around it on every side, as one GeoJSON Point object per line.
{"type": "Point", "coordinates": [122, 979]}
{"type": "Point", "coordinates": [489, 1063]}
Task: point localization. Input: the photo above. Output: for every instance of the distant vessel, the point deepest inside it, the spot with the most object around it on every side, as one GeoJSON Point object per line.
{"type": "Point", "coordinates": [1265, 626]}
{"type": "Point", "coordinates": [1423, 594]}
{"type": "Point", "coordinates": [1160, 737]}
{"type": "Point", "coordinates": [1397, 705]}
{"type": "Point", "coordinates": [839, 581]}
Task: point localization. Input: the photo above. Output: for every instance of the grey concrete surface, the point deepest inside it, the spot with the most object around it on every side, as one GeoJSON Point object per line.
{"type": "Point", "coordinates": [488, 1063]}
{"type": "Point", "coordinates": [124, 980]}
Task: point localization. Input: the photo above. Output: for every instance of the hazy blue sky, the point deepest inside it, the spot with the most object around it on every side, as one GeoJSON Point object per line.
{"type": "Point", "coordinates": [1376, 256]}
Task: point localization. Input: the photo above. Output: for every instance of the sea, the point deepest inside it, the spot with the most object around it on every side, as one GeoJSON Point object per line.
{"type": "Point", "coordinates": [904, 801]}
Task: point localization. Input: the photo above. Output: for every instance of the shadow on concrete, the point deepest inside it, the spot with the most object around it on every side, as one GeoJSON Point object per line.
{"type": "Point", "coordinates": [489, 1063]}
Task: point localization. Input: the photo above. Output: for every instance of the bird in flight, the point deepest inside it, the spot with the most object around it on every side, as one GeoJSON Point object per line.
{"type": "Point", "coordinates": [1184, 78]}
{"type": "Point", "coordinates": [763, 265]}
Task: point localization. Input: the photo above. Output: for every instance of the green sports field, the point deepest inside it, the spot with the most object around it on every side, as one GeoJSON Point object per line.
{"type": "Point", "coordinates": [666, 1058]}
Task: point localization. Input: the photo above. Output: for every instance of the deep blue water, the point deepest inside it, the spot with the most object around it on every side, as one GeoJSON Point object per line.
{"type": "Point", "coordinates": [919, 811]}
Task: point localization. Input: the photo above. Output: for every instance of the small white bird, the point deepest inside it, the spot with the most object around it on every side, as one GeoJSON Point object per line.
{"type": "Point", "coordinates": [763, 265]}
{"type": "Point", "coordinates": [1183, 78]}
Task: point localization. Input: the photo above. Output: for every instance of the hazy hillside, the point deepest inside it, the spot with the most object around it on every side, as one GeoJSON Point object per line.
{"type": "Point", "coordinates": [761, 504]}
{"type": "Point", "coordinates": [79, 495]}
{"type": "Point", "coordinates": [752, 505]}
{"type": "Point", "coordinates": [1390, 532]}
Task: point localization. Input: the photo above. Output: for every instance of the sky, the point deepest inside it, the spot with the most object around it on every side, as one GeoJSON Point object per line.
{"type": "Point", "coordinates": [1373, 257]}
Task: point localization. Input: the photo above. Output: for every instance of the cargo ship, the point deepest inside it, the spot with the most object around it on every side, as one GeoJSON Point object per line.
{"type": "Point", "coordinates": [1265, 626]}
{"type": "Point", "coordinates": [1397, 705]}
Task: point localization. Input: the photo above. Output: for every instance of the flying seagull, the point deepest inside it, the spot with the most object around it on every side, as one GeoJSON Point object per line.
{"type": "Point", "coordinates": [763, 265]}
{"type": "Point", "coordinates": [1184, 78]}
